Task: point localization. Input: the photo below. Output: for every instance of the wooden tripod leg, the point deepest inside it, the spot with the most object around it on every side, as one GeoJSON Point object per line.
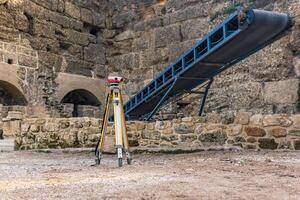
{"type": "Point", "coordinates": [100, 146]}
{"type": "Point", "coordinates": [125, 135]}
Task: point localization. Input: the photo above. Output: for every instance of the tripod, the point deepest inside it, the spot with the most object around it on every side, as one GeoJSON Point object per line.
{"type": "Point", "coordinates": [114, 98]}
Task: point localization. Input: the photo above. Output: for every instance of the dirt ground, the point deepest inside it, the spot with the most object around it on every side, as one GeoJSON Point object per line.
{"type": "Point", "coordinates": [204, 175]}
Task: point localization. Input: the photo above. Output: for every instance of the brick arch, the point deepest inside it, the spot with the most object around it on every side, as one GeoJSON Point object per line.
{"type": "Point", "coordinates": [10, 85]}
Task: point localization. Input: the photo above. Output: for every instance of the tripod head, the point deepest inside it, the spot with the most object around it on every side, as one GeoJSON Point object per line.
{"type": "Point", "coordinates": [114, 80]}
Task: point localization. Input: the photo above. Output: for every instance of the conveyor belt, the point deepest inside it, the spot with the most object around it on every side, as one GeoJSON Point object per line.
{"type": "Point", "coordinates": [241, 35]}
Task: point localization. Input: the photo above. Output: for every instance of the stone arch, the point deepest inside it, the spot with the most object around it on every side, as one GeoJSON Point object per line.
{"type": "Point", "coordinates": [80, 91]}
{"type": "Point", "coordinates": [11, 92]}
{"type": "Point", "coordinates": [11, 95]}
{"type": "Point", "coordinates": [81, 97]}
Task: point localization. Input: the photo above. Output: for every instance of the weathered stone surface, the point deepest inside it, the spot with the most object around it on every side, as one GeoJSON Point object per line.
{"type": "Point", "coordinates": [86, 15]}
{"type": "Point", "coordinates": [123, 62]}
{"type": "Point", "coordinates": [153, 57]}
{"type": "Point", "coordinates": [150, 135]}
{"type": "Point", "coordinates": [72, 10]}
{"type": "Point", "coordinates": [1, 134]}
{"type": "Point", "coordinates": [297, 144]}
{"type": "Point", "coordinates": [296, 121]}
{"type": "Point", "coordinates": [294, 132]}
{"type": "Point", "coordinates": [251, 140]}
{"type": "Point", "coordinates": [239, 139]}
{"type": "Point", "coordinates": [169, 138]}
{"type": "Point", "coordinates": [242, 118]}
{"type": "Point", "coordinates": [167, 35]}
{"type": "Point", "coordinates": [217, 137]}
{"type": "Point", "coordinates": [183, 128]}
{"type": "Point", "coordinates": [296, 63]}
{"type": "Point", "coordinates": [190, 29]}
{"type": "Point", "coordinates": [129, 34]}
{"type": "Point", "coordinates": [255, 131]}
{"type": "Point", "coordinates": [256, 120]}
{"type": "Point", "coordinates": [267, 143]}
{"type": "Point", "coordinates": [188, 138]}
{"type": "Point", "coordinates": [95, 53]}
{"type": "Point", "coordinates": [281, 91]}
{"type": "Point", "coordinates": [277, 120]}
{"type": "Point", "coordinates": [277, 132]}
{"type": "Point", "coordinates": [234, 130]}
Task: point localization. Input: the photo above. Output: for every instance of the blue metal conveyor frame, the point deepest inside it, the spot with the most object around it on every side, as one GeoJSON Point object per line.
{"type": "Point", "coordinates": [239, 36]}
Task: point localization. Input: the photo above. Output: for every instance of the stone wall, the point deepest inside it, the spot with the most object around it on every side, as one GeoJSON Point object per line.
{"type": "Point", "coordinates": [147, 39]}
{"type": "Point", "coordinates": [244, 130]}
{"type": "Point", "coordinates": [45, 38]}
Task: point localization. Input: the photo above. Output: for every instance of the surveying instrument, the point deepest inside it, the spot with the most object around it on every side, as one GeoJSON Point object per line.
{"type": "Point", "coordinates": [114, 98]}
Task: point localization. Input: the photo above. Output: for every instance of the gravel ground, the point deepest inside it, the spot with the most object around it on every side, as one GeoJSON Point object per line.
{"type": "Point", "coordinates": [204, 175]}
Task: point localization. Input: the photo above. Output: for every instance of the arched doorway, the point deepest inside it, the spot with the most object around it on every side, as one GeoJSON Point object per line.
{"type": "Point", "coordinates": [82, 100]}
{"type": "Point", "coordinates": [10, 95]}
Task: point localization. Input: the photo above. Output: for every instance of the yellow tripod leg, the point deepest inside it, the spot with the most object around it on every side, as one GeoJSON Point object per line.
{"type": "Point", "coordinates": [125, 135]}
{"type": "Point", "coordinates": [100, 145]}
{"type": "Point", "coordinates": [118, 124]}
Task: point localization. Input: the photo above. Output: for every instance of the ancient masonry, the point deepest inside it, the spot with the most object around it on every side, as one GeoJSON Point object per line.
{"type": "Point", "coordinates": [55, 55]}
{"type": "Point", "coordinates": [185, 134]}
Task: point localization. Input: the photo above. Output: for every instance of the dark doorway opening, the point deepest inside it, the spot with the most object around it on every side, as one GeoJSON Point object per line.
{"type": "Point", "coordinates": [10, 95]}
{"type": "Point", "coordinates": [80, 99]}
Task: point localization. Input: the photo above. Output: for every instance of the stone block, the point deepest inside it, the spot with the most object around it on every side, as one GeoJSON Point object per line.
{"type": "Point", "coordinates": [178, 48]}
{"type": "Point", "coordinates": [167, 35]}
{"type": "Point", "coordinates": [184, 128]}
{"type": "Point", "coordinates": [267, 143]}
{"type": "Point", "coordinates": [72, 10]}
{"type": "Point", "coordinates": [169, 138]}
{"type": "Point", "coordinates": [86, 15]}
{"type": "Point", "coordinates": [162, 125]}
{"type": "Point", "coordinates": [35, 128]}
{"type": "Point", "coordinates": [294, 132]}
{"type": "Point", "coordinates": [239, 139]}
{"type": "Point", "coordinates": [123, 62]}
{"type": "Point", "coordinates": [76, 37]}
{"type": "Point", "coordinates": [133, 143]}
{"type": "Point", "coordinates": [277, 120]}
{"type": "Point", "coordinates": [256, 120]}
{"type": "Point", "coordinates": [27, 61]}
{"type": "Point", "coordinates": [9, 47]}
{"type": "Point", "coordinates": [79, 67]}
{"type": "Point", "coordinates": [255, 131]}
{"type": "Point", "coordinates": [195, 28]}
{"type": "Point", "coordinates": [11, 128]}
{"type": "Point", "coordinates": [217, 137]}
{"type": "Point", "coordinates": [126, 35]}
{"type": "Point", "coordinates": [152, 135]}
{"type": "Point", "coordinates": [242, 118]}
{"type": "Point", "coordinates": [234, 130]}
{"type": "Point", "coordinates": [296, 63]}
{"type": "Point", "coordinates": [99, 19]}
{"type": "Point", "coordinates": [42, 28]}
{"type": "Point", "coordinates": [285, 92]}
{"type": "Point", "coordinates": [297, 144]}
{"type": "Point", "coordinates": [277, 132]}
{"type": "Point", "coordinates": [95, 53]}
{"type": "Point", "coordinates": [14, 115]}
{"type": "Point", "coordinates": [199, 128]}
{"type": "Point", "coordinates": [26, 51]}
{"type": "Point", "coordinates": [188, 138]}
{"type": "Point", "coordinates": [296, 121]}
{"type": "Point", "coordinates": [142, 42]}
{"type": "Point", "coordinates": [251, 140]}
{"type": "Point", "coordinates": [187, 119]}
{"type": "Point", "coordinates": [150, 126]}
{"type": "Point", "coordinates": [153, 57]}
